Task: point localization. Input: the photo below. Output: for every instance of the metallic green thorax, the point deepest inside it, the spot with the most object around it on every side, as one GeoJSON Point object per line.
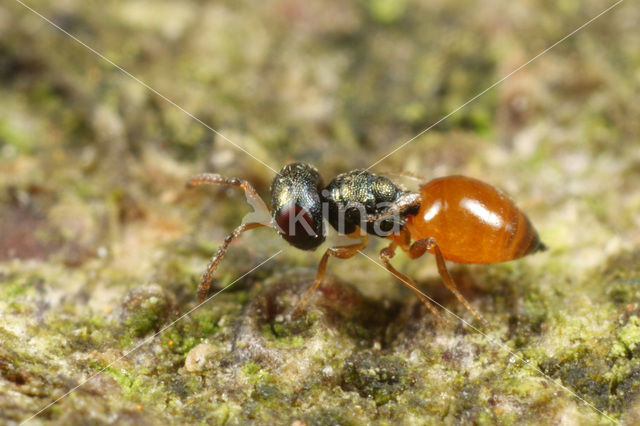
{"type": "Point", "coordinates": [350, 193]}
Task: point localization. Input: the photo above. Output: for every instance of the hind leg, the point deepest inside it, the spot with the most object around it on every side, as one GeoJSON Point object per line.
{"type": "Point", "coordinates": [418, 248]}
{"type": "Point", "coordinates": [385, 255]}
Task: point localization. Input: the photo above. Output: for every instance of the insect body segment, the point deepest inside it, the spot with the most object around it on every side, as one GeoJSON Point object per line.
{"type": "Point", "coordinates": [296, 206]}
{"type": "Point", "coordinates": [472, 222]}
{"type": "Point", "coordinates": [356, 199]}
{"type": "Point", "coordinates": [454, 218]}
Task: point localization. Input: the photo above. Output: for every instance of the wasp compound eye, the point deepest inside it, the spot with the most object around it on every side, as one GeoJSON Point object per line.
{"type": "Point", "coordinates": [297, 227]}
{"type": "Point", "coordinates": [296, 206]}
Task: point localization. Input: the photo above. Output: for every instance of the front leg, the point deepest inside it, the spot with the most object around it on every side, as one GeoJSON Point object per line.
{"type": "Point", "coordinates": [207, 277]}
{"type": "Point", "coordinates": [259, 207]}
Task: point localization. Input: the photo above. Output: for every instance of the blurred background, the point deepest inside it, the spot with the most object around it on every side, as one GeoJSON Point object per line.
{"type": "Point", "coordinates": [88, 155]}
{"type": "Point", "coordinates": [93, 164]}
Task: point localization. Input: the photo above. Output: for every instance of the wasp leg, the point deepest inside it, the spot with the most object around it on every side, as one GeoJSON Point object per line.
{"type": "Point", "coordinates": [385, 255]}
{"type": "Point", "coordinates": [215, 179]}
{"type": "Point", "coordinates": [418, 248]}
{"type": "Point", "coordinates": [207, 277]}
{"type": "Point", "coordinates": [341, 252]}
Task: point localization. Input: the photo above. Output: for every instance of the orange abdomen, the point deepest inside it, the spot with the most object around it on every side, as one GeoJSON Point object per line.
{"type": "Point", "coordinates": [472, 222]}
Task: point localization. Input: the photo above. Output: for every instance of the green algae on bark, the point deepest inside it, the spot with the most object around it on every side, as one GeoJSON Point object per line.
{"type": "Point", "coordinates": [101, 247]}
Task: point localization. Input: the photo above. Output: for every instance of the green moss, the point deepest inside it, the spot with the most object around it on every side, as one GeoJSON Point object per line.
{"type": "Point", "coordinates": [629, 335]}
{"type": "Point", "coordinates": [529, 321]}
{"type": "Point", "coordinates": [267, 392]}
{"type": "Point", "coordinates": [610, 383]}
{"type": "Point", "coordinates": [99, 164]}
{"type": "Point", "coordinates": [132, 385]}
{"type": "Point", "coordinates": [281, 335]}
{"type": "Point", "coordinates": [326, 417]}
{"type": "Point", "coordinates": [255, 373]}
{"type": "Point", "coordinates": [144, 321]}
{"type": "Point", "coordinates": [144, 310]}
{"type": "Point", "coordinates": [289, 333]}
{"type": "Point", "coordinates": [377, 377]}
{"type": "Point", "coordinates": [180, 340]}
{"type": "Point", "coordinates": [223, 413]}
{"type": "Point", "coordinates": [15, 287]}
{"type": "Point", "coordinates": [621, 276]}
{"type": "Point", "coordinates": [206, 321]}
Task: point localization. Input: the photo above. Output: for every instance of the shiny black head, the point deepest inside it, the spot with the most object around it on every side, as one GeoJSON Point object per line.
{"type": "Point", "coordinates": [296, 205]}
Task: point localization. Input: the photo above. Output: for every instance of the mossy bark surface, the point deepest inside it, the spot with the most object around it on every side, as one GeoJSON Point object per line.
{"type": "Point", "coordinates": [102, 247]}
